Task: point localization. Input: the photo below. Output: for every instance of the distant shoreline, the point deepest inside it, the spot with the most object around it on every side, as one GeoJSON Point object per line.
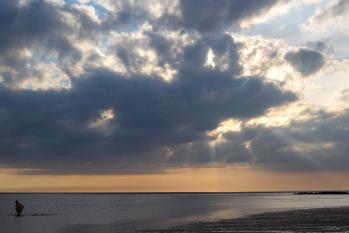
{"type": "Point", "coordinates": [126, 193]}
{"type": "Point", "coordinates": [271, 192]}
{"type": "Point", "coordinates": [300, 220]}
{"type": "Point", "coordinates": [322, 193]}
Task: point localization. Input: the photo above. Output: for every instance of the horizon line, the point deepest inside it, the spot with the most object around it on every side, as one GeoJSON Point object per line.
{"type": "Point", "coordinates": [232, 192]}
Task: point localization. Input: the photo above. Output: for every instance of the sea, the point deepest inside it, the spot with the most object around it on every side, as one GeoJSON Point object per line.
{"type": "Point", "coordinates": [134, 212]}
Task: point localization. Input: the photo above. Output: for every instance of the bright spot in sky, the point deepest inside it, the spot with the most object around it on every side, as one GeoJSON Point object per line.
{"type": "Point", "coordinates": [102, 122]}
{"type": "Point", "coordinates": [210, 59]}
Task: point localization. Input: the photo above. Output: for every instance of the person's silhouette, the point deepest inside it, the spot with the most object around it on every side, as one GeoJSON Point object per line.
{"type": "Point", "coordinates": [19, 208]}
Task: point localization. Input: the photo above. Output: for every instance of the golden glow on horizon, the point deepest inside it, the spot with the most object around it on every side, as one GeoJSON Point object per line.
{"type": "Point", "coordinates": [226, 179]}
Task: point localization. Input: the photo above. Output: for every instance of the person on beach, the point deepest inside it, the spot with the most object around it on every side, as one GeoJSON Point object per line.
{"type": "Point", "coordinates": [19, 208]}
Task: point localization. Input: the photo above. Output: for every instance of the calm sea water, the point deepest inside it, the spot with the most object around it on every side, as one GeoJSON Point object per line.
{"type": "Point", "coordinates": [110, 213]}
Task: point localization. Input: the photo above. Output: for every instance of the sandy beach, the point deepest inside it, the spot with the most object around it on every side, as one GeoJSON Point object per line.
{"type": "Point", "coordinates": [307, 220]}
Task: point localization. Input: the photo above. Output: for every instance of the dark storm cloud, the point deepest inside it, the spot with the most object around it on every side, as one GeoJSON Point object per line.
{"type": "Point", "coordinates": [316, 144]}
{"type": "Point", "coordinates": [157, 124]}
{"type": "Point", "coordinates": [36, 26]}
{"type": "Point", "coordinates": [37, 22]}
{"type": "Point", "coordinates": [210, 15]}
{"type": "Point", "coordinates": [162, 46]}
{"type": "Point", "coordinates": [305, 61]}
{"type": "Point", "coordinates": [47, 129]}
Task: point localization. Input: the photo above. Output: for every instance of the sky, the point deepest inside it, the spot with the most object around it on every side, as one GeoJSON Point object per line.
{"type": "Point", "coordinates": [166, 95]}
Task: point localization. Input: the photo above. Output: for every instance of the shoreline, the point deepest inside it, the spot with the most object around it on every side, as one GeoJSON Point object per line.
{"type": "Point", "coordinates": [323, 193]}
{"type": "Point", "coordinates": [301, 220]}
{"type": "Point", "coordinates": [198, 192]}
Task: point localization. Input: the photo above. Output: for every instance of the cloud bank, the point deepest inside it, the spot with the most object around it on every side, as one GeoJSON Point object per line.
{"type": "Point", "coordinates": [139, 86]}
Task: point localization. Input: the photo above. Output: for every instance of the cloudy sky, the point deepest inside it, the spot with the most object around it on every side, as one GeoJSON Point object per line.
{"type": "Point", "coordinates": [192, 95]}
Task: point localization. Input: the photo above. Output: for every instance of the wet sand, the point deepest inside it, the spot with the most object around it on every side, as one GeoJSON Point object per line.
{"type": "Point", "coordinates": [305, 220]}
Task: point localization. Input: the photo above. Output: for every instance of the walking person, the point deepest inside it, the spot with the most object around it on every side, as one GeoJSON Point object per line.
{"type": "Point", "coordinates": [19, 208]}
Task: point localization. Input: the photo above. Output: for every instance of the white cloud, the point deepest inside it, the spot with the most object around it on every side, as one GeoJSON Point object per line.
{"type": "Point", "coordinates": [329, 19]}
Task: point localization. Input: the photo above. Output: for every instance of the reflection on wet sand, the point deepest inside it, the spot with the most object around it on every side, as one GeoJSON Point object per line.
{"type": "Point", "coordinates": [307, 220]}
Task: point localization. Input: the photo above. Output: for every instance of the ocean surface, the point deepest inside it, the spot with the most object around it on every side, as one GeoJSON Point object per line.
{"type": "Point", "coordinates": [110, 213]}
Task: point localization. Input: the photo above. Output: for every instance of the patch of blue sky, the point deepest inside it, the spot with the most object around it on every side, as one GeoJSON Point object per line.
{"type": "Point", "coordinates": [132, 25]}
{"type": "Point", "coordinates": [286, 26]}
{"type": "Point", "coordinates": [101, 12]}
{"type": "Point", "coordinates": [71, 1]}
{"type": "Point", "coordinates": [340, 45]}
